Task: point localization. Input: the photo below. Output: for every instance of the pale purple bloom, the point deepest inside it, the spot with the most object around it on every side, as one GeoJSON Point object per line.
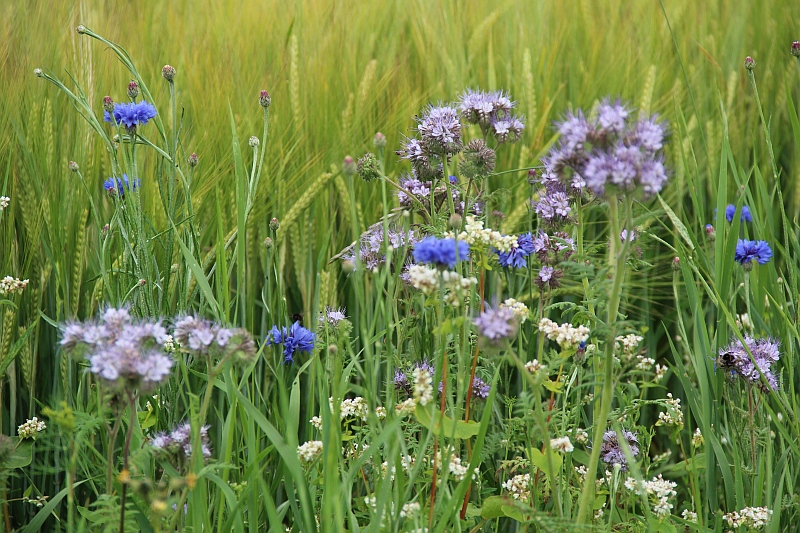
{"type": "Point", "coordinates": [496, 324]}
{"type": "Point", "coordinates": [611, 450]}
{"type": "Point", "coordinates": [612, 116]}
{"type": "Point", "coordinates": [178, 443]}
{"type": "Point", "coordinates": [480, 389]}
{"type": "Point", "coordinates": [574, 131]}
{"type": "Point", "coordinates": [553, 205]}
{"type": "Point", "coordinates": [332, 316]}
{"type": "Point", "coordinates": [440, 130]}
{"type": "Point", "coordinates": [765, 351]}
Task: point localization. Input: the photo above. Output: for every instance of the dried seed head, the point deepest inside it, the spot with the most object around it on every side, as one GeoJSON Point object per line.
{"type": "Point", "coordinates": [253, 142]}
{"type": "Point", "coordinates": [264, 99]}
{"type": "Point", "coordinates": [168, 72]}
{"type": "Point", "coordinates": [81, 29]}
{"type": "Point", "coordinates": [455, 221]}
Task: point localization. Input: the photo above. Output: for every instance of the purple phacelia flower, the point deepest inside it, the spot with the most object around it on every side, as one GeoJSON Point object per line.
{"type": "Point", "coordinates": [440, 130]}
{"type": "Point", "coordinates": [766, 352]}
{"type": "Point", "coordinates": [496, 324]}
{"type": "Point", "coordinates": [611, 450]}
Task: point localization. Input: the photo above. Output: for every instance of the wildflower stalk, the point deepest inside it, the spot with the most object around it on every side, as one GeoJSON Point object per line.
{"type": "Point", "coordinates": [752, 77]}
{"type": "Point", "coordinates": [616, 261]}
{"type": "Point", "coordinates": [125, 453]}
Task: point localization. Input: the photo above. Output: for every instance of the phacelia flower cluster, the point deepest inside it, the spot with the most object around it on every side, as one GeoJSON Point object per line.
{"type": "Point", "coordinates": [372, 248]}
{"type": "Point", "coordinates": [611, 450]}
{"type": "Point", "coordinates": [293, 339]}
{"type": "Point", "coordinates": [766, 352]}
{"type": "Point", "coordinates": [494, 325]}
{"type": "Point", "coordinates": [609, 152]}
{"type": "Point", "coordinates": [492, 111]}
{"type": "Point", "coordinates": [125, 353]}
{"type": "Point", "coordinates": [178, 442]}
{"type": "Point", "coordinates": [204, 338]}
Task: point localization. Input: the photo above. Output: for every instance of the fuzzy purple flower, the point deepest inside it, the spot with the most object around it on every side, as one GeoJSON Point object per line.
{"type": "Point", "coordinates": [496, 324]}
{"type": "Point", "coordinates": [440, 130]}
{"type": "Point", "coordinates": [553, 205]}
{"type": "Point", "coordinates": [178, 442]}
{"type": "Point", "coordinates": [611, 450]}
{"type": "Point", "coordinates": [480, 389]}
{"type": "Point", "coordinates": [766, 352]}
{"type": "Point", "coordinates": [332, 316]}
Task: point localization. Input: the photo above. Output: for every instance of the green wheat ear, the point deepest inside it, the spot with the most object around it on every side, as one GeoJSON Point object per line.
{"type": "Point", "coordinates": [302, 204]}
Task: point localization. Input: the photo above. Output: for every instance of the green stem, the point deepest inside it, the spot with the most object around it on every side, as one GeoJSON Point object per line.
{"type": "Point", "coordinates": [615, 262]}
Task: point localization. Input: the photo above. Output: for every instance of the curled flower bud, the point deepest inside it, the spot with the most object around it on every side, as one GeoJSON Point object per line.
{"type": "Point", "coordinates": [749, 63]}
{"type": "Point", "coordinates": [73, 166]}
{"type": "Point", "coordinates": [168, 72]}
{"type": "Point", "coordinates": [81, 29]}
{"type": "Point", "coordinates": [796, 49]}
{"type": "Point", "coordinates": [133, 89]}
{"type": "Point", "coordinates": [264, 99]}
{"type": "Point", "coordinates": [192, 160]}
{"type": "Point", "coordinates": [274, 224]}
{"type": "Point", "coordinates": [108, 104]}
{"type": "Point", "coordinates": [368, 167]}
{"type": "Point", "coordinates": [349, 166]}
{"type": "Point", "coordinates": [37, 72]}
{"type": "Point", "coordinates": [379, 141]}
{"type": "Point", "coordinates": [253, 142]}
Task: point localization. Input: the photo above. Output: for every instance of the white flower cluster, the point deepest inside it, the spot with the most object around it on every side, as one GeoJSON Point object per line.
{"type": "Point", "coordinates": [423, 386]}
{"type": "Point", "coordinates": [752, 517]}
{"type": "Point", "coordinates": [169, 344]}
{"type": "Point", "coordinates": [309, 451]}
{"type": "Point", "coordinates": [745, 322]}
{"type": "Point", "coordinates": [427, 281]}
{"type": "Point", "coordinates": [534, 367]}
{"type": "Point", "coordinates": [628, 344]}
{"type": "Point", "coordinates": [474, 234]}
{"type": "Point", "coordinates": [659, 489]}
{"type": "Point", "coordinates": [351, 408]}
{"type": "Point", "coordinates": [458, 471]}
{"type": "Point", "coordinates": [673, 416]}
{"type": "Point", "coordinates": [9, 285]}
{"type": "Point", "coordinates": [581, 436]}
{"type": "Point", "coordinates": [410, 509]}
{"type": "Point", "coordinates": [519, 308]}
{"type": "Point", "coordinates": [661, 371]}
{"type": "Point", "coordinates": [566, 335]}
{"type": "Point", "coordinates": [4, 201]}
{"type": "Point", "coordinates": [519, 487]}
{"type": "Point", "coordinates": [644, 363]}
{"type": "Point", "coordinates": [697, 438]}
{"type": "Point", "coordinates": [405, 408]}
{"type": "Point", "coordinates": [31, 428]}
{"type": "Point", "coordinates": [689, 516]}
{"type": "Point", "coordinates": [562, 444]}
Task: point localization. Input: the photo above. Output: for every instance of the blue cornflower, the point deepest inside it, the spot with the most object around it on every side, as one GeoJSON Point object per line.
{"type": "Point", "coordinates": [118, 186]}
{"type": "Point", "coordinates": [748, 251]}
{"type": "Point", "coordinates": [440, 252]}
{"type": "Point", "coordinates": [293, 338]}
{"type": "Point", "coordinates": [745, 216]}
{"type": "Point", "coordinates": [132, 114]}
{"type": "Point", "coordinates": [515, 258]}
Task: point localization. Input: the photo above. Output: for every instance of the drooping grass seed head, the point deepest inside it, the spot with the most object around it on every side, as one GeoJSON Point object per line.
{"type": "Point", "coordinates": [749, 63]}
{"type": "Point", "coordinates": [349, 166]}
{"type": "Point", "coordinates": [168, 72]}
{"type": "Point", "coordinates": [264, 99]}
{"type": "Point", "coordinates": [133, 89]}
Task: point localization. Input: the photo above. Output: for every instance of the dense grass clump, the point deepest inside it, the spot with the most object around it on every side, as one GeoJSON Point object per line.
{"type": "Point", "coordinates": [557, 293]}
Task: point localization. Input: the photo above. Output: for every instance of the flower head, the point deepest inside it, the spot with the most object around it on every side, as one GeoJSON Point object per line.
{"type": "Point", "coordinates": [131, 114]}
{"type": "Point", "coordinates": [496, 324]}
{"type": "Point", "coordinates": [744, 216]}
{"type": "Point", "coordinates": [178, 442]}
{"type": "Point", "coordinates": [119, 186]}
{"type": "Point", "coordinates": [293, 339]}
{"type": "Point", "coordinates": [611, 450]}
{"type": "Point", "coordinates": [440, 130]}
{"type": "Point", "coordinates": [440, 252]}
{"type": "Point", "coordinates": [766, 352]}
{"type": "Point", "coordinates": [332, 316]}
{"type": "Point", "coordinates": [748, 251]}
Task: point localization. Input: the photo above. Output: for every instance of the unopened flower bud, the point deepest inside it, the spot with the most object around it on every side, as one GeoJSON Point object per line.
{"type": "Point", "coordinates": [348, 267]}
{"type": "Point", "coordinates": [253, 142]}
{"type": "Point", "coordinates": [168, 72]}
{"type": "Point", "coordinates": [368, 167]}
{"type": "Point", "coordinates": [711, 233]}
{"type": "Point", "coordinates": [348, 166]}
{"type": "Point", "coordinates": [796, 49]}
{"type": "Point", "coordinates": [193, 159]}
{"type": "Point", "coordinates": [37, 72]}
{"type": "Point", "coordinates": [532, 177]}
{"type": "Point", "coordinates": [108, 104]}
{"type": "Point", "coordinates": [133, 89]}
{"type": "Point", "coordinates": [333, 349]}
{"type": "Point", "coordinates": [142, 282]}
{"type": "Point", "coordinates": [379, 141]}
{"type": "Point", "coordinates": [81, 29]}
{"type": "Point", "coordinates": [749, 63]}
{"type": "Point", "coordinates": [455, 221]}
{"type": "Point", "coordinates": [274, 224]}
{"type": "Point", "coordinates": [173, 268]}
{"type": "Point", "coordinates": [676, 263]}
{"type": "Point", "coordinates": [73, 166]}
{"type": "Point", "coordinates": [105, 229]}
{"type": "Point", "coordinates": [780, 280]}
{"type": "Point", "coordinates": [268, 243]}
{"type": "Point", "coordinates": [264, 99]}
